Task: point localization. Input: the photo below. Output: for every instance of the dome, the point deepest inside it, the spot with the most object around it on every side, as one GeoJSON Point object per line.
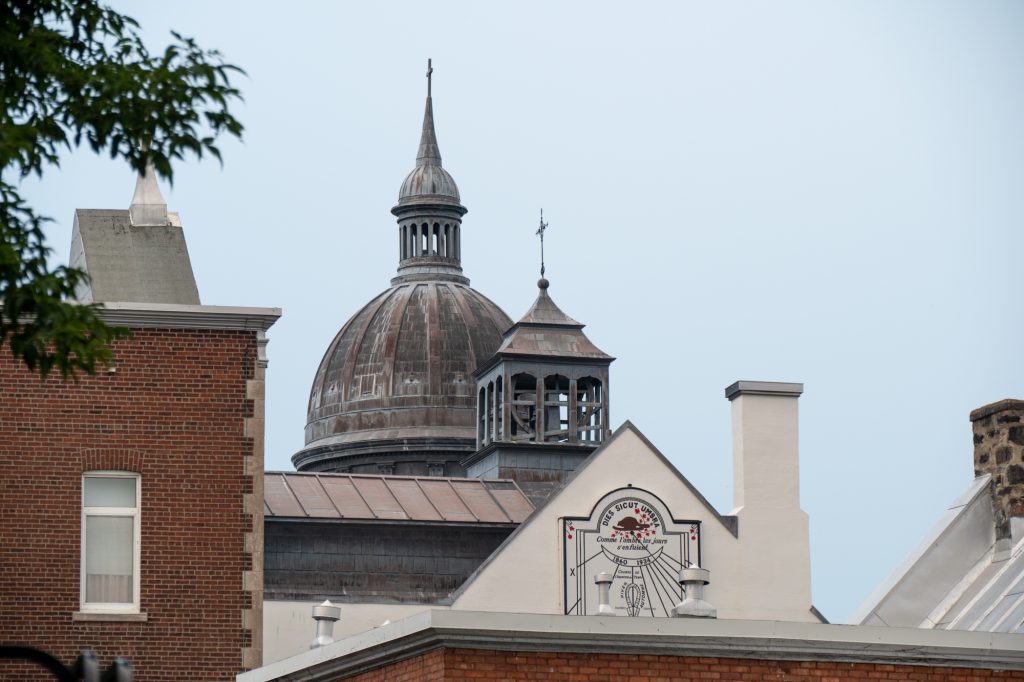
{"type": "Point", "coordinates": [395, 390]}
{"type": "Point", "coordinates": [429, 182]}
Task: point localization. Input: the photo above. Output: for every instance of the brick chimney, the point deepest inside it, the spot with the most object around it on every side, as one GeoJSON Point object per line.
{"type": "Point", "coordinates": [999, 451]}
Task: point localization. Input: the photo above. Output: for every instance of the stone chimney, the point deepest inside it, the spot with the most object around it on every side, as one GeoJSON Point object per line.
{"type": "Point", "coordinates": [999, 452]}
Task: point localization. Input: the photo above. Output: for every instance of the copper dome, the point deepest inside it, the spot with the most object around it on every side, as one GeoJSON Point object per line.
{"type": "Point", "coordinates": [395, 390]}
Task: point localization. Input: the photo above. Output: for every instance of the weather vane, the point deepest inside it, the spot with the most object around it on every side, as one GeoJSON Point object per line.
{"type": "Point", "coordinates": [540, 232]}
{"type": "Point", "coordinates": [430, 70]}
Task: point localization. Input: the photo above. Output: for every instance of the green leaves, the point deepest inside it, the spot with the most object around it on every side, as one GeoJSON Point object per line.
{"type": "Point", "coordinates": [74, 72]}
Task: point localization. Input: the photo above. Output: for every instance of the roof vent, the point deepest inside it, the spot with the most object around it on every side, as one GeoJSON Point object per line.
{"type": "Point", "coordinates": [604, 583]}
{"type": "Point", "coordinates": [693, 580]}
{"type": "Point", "coordinates": [325, 615]}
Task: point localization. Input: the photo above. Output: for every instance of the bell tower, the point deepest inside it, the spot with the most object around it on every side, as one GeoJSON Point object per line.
{"type": "Point", "coordinates": [542, 401]}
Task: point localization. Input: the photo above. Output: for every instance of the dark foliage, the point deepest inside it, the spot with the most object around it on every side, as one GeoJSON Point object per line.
{"type": "Point", "coordinates": [74, 72]}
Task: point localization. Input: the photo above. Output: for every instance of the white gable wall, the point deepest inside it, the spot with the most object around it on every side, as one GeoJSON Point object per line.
{"type": "Point", "coordinates": [525, 575]}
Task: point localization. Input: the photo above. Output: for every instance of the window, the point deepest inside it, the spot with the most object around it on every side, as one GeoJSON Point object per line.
{"type": "Point", "coordinates": [110, 541]}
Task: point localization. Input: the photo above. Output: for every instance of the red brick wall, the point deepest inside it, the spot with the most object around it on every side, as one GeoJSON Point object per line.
{"type": "Point", "coordinates": [173, 412]}
{"type": "Point", "coordinates": [430, 667]}
{"type": "Point", "coordinates": [471, 664]}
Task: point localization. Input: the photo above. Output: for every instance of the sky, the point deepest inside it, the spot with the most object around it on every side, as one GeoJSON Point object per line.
{"type": "Point", "coordinates": [826, 193]}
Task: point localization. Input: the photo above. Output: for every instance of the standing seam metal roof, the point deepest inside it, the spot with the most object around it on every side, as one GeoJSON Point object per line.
{"type": "Point", "coordinates": [403, 498]}
{"type": "Point", "coordinates": [998, 601]}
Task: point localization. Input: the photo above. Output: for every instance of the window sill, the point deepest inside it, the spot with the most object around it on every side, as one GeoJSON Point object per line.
{"type": "Point", "coordinates": [108, 617]}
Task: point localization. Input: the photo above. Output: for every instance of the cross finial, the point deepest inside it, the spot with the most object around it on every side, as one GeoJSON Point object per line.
{"type": "Point", "coordinates": [540, 233]}
{"type": "Point", "coordinates": [430, 70]}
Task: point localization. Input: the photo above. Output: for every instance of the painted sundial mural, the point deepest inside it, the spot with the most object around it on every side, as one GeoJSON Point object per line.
{"type": "Point", "coordinates": [631, 535]}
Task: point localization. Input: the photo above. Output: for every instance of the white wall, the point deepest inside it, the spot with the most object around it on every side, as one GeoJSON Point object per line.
{"type": "Point", "coordinates": [762, 574]}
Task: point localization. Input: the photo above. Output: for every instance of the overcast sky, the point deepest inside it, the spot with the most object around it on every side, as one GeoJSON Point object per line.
{"type": "Point", "coordinates": [827, 193]}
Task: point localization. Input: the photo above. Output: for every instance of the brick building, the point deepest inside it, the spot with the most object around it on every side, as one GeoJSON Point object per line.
{"type": "Point", "coordinates": [131, 516]}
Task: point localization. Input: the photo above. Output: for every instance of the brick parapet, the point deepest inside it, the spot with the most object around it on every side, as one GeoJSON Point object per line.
{"type": "Point", "coordinates": [672, 647]}
{"type": "Point", "coordinates": [482, 664]}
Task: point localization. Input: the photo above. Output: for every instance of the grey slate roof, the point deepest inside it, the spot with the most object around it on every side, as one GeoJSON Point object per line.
{"type": "Point", "coordinates": [131, 263]}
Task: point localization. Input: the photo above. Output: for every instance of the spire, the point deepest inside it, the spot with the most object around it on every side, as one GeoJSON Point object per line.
{"type": "Point", "coordinates": [429, 213]}
{"type": "Point", "coordinates": [148, 206]}
{"type": "Point", "coordinates": [428, 154]}
{"type": "Point", "coordinates": [542, 283]}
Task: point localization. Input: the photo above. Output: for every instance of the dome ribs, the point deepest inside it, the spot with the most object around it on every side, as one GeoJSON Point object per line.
{"type": "Point", "coordinates": [392, 337]}
{"type": "Point", "coordinates": [435, 333]}
{"type": "Point", "coordinates": [332, 366]}
{"type": "Point", "coordinates": [349, 363]}
{"type": "Point", "coordinates": [456, 370]}
{"type": "Point", "coordinates": [471, 323]}
{"type": "Point", "coordinates": [366, 368]}
{"type": "Point", "coordinates": [412, 361]}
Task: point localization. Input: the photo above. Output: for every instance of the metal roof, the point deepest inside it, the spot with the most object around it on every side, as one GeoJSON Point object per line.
{"type": "Point", "coordinates": [546, 331]}
{"type": "Point", "coordinates": [402, 498]}
{"type": "Point", "coordinates": [992, 600]}
{"type": "Point", "coordinates": [402, 368]}
{"type": "Point", "coordinates": [958, 577]}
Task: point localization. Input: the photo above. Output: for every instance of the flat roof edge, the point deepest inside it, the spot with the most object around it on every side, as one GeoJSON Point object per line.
{"type": "Point", "coordinates": [186, 316]}
{"type": "Point", "coordinates": [745, 639]}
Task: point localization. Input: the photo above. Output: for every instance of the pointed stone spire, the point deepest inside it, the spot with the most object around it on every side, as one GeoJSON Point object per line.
{"type": "Point", "coordinates": [149, 208]}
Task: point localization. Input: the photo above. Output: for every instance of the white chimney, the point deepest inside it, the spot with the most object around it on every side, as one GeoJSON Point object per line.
{"type": "Point", "coordinates": [766, 468]}
{"type": "Point", "coordinates": [773, 530]}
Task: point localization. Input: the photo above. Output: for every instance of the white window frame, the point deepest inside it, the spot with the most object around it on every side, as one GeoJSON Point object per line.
{"type": "Point", "coordinates": [136, 514]}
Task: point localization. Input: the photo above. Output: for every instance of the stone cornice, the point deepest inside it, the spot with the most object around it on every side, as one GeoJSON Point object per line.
{"type": "Point", "coordinates": [779, 388]}
{"type": "Point", "coordinates": [765, 640]}
{"type": "Point", "coordinates": [180, 316]}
